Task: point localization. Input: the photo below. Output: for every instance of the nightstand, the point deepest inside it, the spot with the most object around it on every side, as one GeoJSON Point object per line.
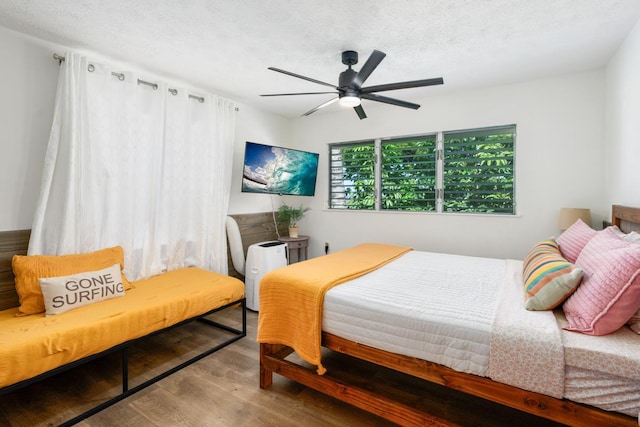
{"type": "Point", "coordinates": [300, 244]}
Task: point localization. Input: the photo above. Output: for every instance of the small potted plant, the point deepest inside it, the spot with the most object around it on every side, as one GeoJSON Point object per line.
{"type": "Point", "coordinates": [291, 216]}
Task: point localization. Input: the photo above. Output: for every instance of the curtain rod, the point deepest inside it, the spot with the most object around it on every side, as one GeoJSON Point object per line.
{"type": "Point", "coordinates": [120, 77]}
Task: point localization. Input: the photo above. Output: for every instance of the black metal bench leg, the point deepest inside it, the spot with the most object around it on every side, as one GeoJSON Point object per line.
{"type": "Point", "coordinates": [125, 369]}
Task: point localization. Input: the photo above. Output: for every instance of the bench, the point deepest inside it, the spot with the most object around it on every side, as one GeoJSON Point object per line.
{"type": "Point", "coordinates": [37, 346]}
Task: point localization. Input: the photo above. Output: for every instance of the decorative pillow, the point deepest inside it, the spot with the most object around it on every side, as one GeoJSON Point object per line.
{"type": "Point", "coordinates": [549, 279]}
{"type": "Point", "coordinates": [65, 293]}
{"type": "Point", "coordinates": [610, 291]}
{"type": "Point", "coordinates": [574, 239]}
{"type": "Point", "coordinates": [28, 269]}
{"type": "Point", "coordinates": [617, 231]}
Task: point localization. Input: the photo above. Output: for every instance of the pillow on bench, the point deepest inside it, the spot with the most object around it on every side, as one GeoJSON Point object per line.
{"type": "Point", "coordinates": [65, 293]}
{"type": "Point", "coordinates": [28, 269]}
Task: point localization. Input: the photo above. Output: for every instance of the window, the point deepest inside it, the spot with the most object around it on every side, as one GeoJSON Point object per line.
{"type": "Point", "coordinates": [456, 171]}
{"type": "Point", "coordinates": [478, 171]}
{"type": "Point", "coordinates": [408, 169]}
{"type": "Point", "coordinates": [352, 175]}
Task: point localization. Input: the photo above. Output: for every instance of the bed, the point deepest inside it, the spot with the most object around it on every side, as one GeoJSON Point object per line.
{"type": "Point", "coordinates": [489, 348]}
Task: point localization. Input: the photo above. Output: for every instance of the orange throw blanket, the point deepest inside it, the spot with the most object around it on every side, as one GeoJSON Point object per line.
{"type": "Point", "coordinates": [291, 298]}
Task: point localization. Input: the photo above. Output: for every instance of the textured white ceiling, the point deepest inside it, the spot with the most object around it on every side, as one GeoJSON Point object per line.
{"type": "Point", "coordinates": [225, 46]}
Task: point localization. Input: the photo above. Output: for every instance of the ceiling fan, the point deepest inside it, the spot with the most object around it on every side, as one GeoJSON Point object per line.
{"type": "Point", "coordinates": [350, 91]}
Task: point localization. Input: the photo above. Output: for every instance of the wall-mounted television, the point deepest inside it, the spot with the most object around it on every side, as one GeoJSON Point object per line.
{"type": "Point", "coordinates": [279, 170]}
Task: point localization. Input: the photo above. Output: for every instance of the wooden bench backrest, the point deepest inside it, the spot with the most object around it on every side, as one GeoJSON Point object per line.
{"type": "Point", "coordinates": [254, 228]}
{"type": "Point", "coordinates": [11, 243]}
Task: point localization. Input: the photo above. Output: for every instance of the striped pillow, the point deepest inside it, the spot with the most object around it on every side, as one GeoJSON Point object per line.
{"type": "Point", "coordinates": [548, 278]}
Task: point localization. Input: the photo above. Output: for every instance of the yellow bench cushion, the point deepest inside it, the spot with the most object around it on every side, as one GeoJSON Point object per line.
{"type": "Point", "coordinates": [32, 345]}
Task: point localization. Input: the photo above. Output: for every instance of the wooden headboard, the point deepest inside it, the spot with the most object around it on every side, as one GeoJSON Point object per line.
{"type": "Point", "coordinates": [11, 243]}
{"type": "Point", "coordinates": [626, 218]}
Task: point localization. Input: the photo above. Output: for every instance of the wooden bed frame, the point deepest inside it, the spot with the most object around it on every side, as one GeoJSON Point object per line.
{"type": "Point", "coordinates": [273, 360]}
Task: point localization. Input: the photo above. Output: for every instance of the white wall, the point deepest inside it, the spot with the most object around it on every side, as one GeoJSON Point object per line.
{"type": "Point", "coordinates": [29, 77]}
{"type": "Point", "coordinates": [558, 163]}
{"type": "Point", "coordinates": [623, 124]}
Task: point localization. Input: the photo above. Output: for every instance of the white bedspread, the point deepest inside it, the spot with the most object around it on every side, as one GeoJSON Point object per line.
{"type": "Point", "coordinates": [439, 308]}
{"type": "Point", "coordinates": [526, 346]}
{"type": "Point", "coordinates": [442, 308]}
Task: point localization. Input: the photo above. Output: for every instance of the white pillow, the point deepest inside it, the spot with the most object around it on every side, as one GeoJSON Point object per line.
{"type": "Point", "coordinates": [65, 293]}
{"type": "Point", "coordinates": [632, 237]}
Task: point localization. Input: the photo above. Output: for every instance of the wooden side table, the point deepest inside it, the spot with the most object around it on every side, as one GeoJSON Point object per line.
{"type": "Point", "coordinates": [300, 245]}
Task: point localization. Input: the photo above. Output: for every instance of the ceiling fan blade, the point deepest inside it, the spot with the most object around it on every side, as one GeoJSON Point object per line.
{"type": "Point", "coordinates": [360, 112]}
{"type": "Point", "coordinates": [403, 85]}
{"type": "Point", "coordinates": [289, 73]}
{"type": "Point", "coordinates": [331, 101]}
{"type": "Point", "coordinates": [300, 93]}
{"type": "Point", "coordinates": [373, 61]}
{"type": "Point", "coordinates": [392, 101]}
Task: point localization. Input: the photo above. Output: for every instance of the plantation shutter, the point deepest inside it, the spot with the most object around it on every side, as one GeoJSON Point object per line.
{"type": "Point", "coordinates": [352, 176]}
{"type": "Point", "coordinates": [408, 170]}
{"type": "Point", "coordinates": [478, 170]}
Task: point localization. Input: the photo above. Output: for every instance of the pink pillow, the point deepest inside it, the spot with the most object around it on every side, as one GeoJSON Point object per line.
{"type": "Point", "coordinates": [610, 291]}
{"type": "Point", "coordinates": [574, 239]}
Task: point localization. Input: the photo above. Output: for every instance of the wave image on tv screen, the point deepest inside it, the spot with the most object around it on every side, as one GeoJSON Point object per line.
{"type": "Point", "coordinates": [278, 170]}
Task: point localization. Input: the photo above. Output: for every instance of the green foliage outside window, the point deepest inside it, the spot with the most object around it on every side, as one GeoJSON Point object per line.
{"type": "Point", "coordinates": [409, 175]}
{"type": "Point", "coordinates": [476, 170]}
{"type": "Point", "coordinates": [353, 177]}
{"type": "Point", "coordinates": [478, 173]}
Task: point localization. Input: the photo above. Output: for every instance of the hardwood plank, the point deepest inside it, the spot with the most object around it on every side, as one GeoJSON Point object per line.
{"type": "Point", "coordinates": [121, 414]}
{"type": "Point", "coordinates": [11, 243]}
{"type": "Point", "coordinates": [162, 408]}
{"type": "Point", "coordinates": [227, 403]}
{"type": "Point", "coordinates": [250, 405]}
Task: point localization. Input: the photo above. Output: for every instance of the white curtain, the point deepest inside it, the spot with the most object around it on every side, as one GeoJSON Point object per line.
{"type": "Point", "coordinates": [138, 167]}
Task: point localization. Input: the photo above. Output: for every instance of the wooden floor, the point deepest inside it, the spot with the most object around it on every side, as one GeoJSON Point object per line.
{"type": "Point", "coordinates": [222, 390]}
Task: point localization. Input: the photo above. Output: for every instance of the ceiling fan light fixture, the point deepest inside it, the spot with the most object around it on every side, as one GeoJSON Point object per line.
{"type": "Point", "coordinates": [349, 100]}
{"type": "Point", "coordinates": [350, 88]}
